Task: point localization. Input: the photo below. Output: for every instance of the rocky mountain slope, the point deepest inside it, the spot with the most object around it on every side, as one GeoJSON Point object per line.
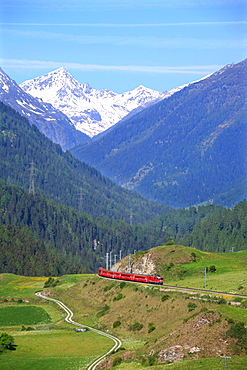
{"type": "Point", "coordinates": [50, 121]}
{"type": "Point", "coordinates": [90, 111]}
{"type": "Point", "coordinates": [187, 149]}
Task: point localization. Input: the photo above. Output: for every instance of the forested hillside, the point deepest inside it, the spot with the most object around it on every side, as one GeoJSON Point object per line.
{"type": "Point", "coordinates": [39, 237]}
{"type": "Point", "coordinates": [74, 242]}
{"type": "Point", "coordinates": [22, 253]}
{"type": "Point", "coordinates": [208, 228]}
{"type": "Point", "coordinates": [222, 232]}
{"type": "Point", "coordinates": [61, 177]}
{"type": "Point", "coordinates": [188, 149]}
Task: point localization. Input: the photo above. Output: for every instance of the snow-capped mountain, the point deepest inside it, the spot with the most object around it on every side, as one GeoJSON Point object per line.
{"type": "Point", "coordinates": [50, 121]}
{"type": "Point", "coordinates": [91, 111]}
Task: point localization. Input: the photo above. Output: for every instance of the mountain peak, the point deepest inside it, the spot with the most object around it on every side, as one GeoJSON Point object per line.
{"type": "Point", "coordinates": [60, 72]}
{"type": "Point", "coordinates": [90, 111]}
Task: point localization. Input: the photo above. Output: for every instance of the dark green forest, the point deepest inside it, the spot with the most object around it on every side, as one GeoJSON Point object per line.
{"type": "Point", "coordinates": [209, 228]}
{"type": "Point", "coordinates": [72, 215]}
{"type": "Point", "coordinates": [61, 177]}
{"type": "Point", "coordinates": [40, 237]}
{"type": "Point", "coordinates": [79, 240]}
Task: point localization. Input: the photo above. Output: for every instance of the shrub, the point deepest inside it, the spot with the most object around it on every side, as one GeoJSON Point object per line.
{"type": "Point", "coordinates": [191, 306]}
{"type": "Point", "coordinates": [116, 324]}
{"type": "Point", "coordinates": [117, 361]}
{"type": "Point", "coordinates": [193, 257]}
{"type": "Point", "coordinates": [122, 284]}
{"type": "Point", "coordinates": [136, 326]}
{"type": "Point", "coordinates": [51, 282]}
{"type": "Point", "coordinates": [6, 342]}
{"type": "Point", "coordinates": [164, 297]}
{"type": "Point", "coordinates": [221, 301]}
{"type": "Point", "coordinates": [170, 241]}
{"type": "Point", "coordinates": [212, 268]}
{"type": "Point", "coordinates": [151, 328]}
{"type": "Point", "coordinates": [118, 297]}
{"type": "Point", "coordinates": [238, 331]}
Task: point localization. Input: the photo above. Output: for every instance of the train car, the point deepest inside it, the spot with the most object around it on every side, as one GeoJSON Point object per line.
{"type": "Point", "coordinates": [131, 277]}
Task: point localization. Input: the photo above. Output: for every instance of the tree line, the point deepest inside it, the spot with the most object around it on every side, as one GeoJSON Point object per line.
{"type": "Point", "coordinates": [40, 237]}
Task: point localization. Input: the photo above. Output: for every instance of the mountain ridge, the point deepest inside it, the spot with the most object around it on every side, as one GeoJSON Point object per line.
{"type": "Point", "coordinates": [50, 121]}
{"type": "Point", "coordinates": [61, 177]}
{"type": "Point", "coordinates": [189, 148]}
{"type": "Point", "coordinates": [90, 111]}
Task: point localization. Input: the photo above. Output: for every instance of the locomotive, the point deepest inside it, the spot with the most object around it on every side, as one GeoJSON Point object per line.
{"type": "Point", "coordinates": [131, 277]}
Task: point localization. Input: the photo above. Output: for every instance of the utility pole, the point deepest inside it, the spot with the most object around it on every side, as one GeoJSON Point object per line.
{"type": "Point", "coordinates": [31, 179]}
{"type": "Point", "coordinates": [131, 217]}
{"type": "Point", "coordinates": [205, 278]}
{"type": "Point", "coordinates": [129, 265]}
{"type": "Point", "coordinates": [107, 260]}
{"type": "Point", "coordinates": [80, 200]}
{"type": "Point", "coordinates": [110, 260]}
{"type": "Point", "coordinates": [120, 255]}
{"type": "Point", "coordinates": [115, 262]}
{"type": "Point", "coordinates": [225, 361]}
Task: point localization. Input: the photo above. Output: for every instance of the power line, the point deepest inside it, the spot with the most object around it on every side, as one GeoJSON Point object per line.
{"type": "Point", "coordinates": [31, 179]}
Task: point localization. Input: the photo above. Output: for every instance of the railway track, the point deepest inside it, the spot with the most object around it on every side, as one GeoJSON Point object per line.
{"type": "Point", "coordinates": [117, 342]}
{"type": "Point", "coordinates": [204, 291]}
{"type": "Point", "coordinates": [180, 288]}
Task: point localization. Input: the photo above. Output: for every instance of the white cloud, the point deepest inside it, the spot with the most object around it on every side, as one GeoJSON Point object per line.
{"type": "Point", "coordinates": [36, 64]}
{"type": "Point", "coordinates": [127, 25]}
{"type": "Point", "coordinates": [136, 41]}
{"type": "Point", "coordinates": [113, 4]}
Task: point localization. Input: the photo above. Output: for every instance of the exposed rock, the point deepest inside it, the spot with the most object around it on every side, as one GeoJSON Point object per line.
{"type": "Point", "coordinates": [144, 265]}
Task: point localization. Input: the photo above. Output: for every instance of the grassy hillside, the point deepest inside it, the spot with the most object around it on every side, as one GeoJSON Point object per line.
{"type": "Point", "coordinates": [185, 266]}
{"type": "Point", "coordinates": [152, 322]}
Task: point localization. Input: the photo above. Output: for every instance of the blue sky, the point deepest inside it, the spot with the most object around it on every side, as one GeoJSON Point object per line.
{"type": "Point", "coordinates": [121, 44]}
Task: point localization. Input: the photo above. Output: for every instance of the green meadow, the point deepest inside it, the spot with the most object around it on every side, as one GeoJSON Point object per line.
{"type": "Point", "coordinates": [51, 343]}
{"type": "Point", "coordinates": [43, 340]}
{"type": "Point", "coordinates": [230, 275]}
{"type": "Point", "coordinates": [23, 315]}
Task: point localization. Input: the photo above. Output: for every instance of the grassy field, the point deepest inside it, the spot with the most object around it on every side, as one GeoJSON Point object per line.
{"type": "Point", "coordinates": [52, 349]}
{"type": "Point", "coordinates": [101, 303]}
{"type": "Point", "coordinates": [54, 344]}
{"type": "Point", "coordinates": [230, 275]}
{"type": "Point", "coordinates": [23, 315]}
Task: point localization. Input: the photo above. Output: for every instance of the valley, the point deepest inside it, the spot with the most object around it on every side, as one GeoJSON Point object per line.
{"type": "Point", "coordinates": [156, 325]}
{"type": "Point", "coordinates": [123, 131]}
{"type": "Point", "coordinates": [60, 218]}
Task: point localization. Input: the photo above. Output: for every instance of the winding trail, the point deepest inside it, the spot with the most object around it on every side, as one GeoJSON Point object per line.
{"type": "Point", "coordinates": [117, 342]}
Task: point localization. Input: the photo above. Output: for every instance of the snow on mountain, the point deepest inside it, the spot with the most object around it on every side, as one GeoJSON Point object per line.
{"type": "Point", "coordinates": [90, 111]}
{"type": "Point", "coordinates": [50, 121]}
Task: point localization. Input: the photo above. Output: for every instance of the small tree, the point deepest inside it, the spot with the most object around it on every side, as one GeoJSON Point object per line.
{"type": "Point", "coordinates": [212, 268]}
{"type": "Point", "coordinates": [6, 341]}
{"type": "Point", "coordinates": [193, 257]}
{"type": "Point", "coordinates": [170, 241]}
{"type": "Point", "coordinates": [116, 324]}
{"type": "Point", "coordinates": [164, 297]}
{"type": "Point", "coordinates": [117, 361]}
{"type": "Point", "coordinates": [51, 282]}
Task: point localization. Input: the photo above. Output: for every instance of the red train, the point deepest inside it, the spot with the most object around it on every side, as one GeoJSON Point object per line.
{"type": "Point", "coordinates": [131, 277]}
